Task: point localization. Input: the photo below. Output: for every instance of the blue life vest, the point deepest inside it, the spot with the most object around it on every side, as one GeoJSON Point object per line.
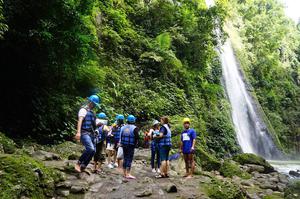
{"type": "Point", "coordinates": [101, 136]}
{"type": "Point", "coordinates": [127, 134]}
{"type": "Point", "coordinates": [116, 132]}
{"type": "Point", "coordinates": [89, 122]}
{"type": "Point", "coordinates": [166, 139]}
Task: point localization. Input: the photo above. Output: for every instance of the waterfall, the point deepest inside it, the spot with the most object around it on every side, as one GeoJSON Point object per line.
{"type": "Point", "coordinates": [252, 133]}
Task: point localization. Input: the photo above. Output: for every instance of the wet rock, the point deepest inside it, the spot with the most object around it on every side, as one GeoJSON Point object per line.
{"type": "Point", "coordinates": [63, 192]}
{"type": "Point", "coordinates": [65, 184]}
{"type": "Point", "coordinates": [254, 167]}
{"type": "Point", "coordinates": [148, 180]}
{"type": "Point", "coordinates": [283, 178]}
{"type": "Point", "coordinates": [171, 188]}
{"type": "Point", "coordinates": [294, 173]}
{"type": "Point", "coordinates": [44, 155]}
{"type": "Point", "coordinates": [281, 187]}
{"type": "Point", "coordinates": [78, 189]}
{"type": "Point", "coordinates": [269, 186]}
{"type": "Point", "coordinates": [247, 183]}
{"type": "Point", "coordinates": [269, 192]}
{"type": "Point", "coordinates": [96, 187]}
{"type": "Point", "coordinates": [145, 193]}
{"type": "Point", "coordinates": [274, 180]}
{"type": "Point", "coordinates": [112, 189]}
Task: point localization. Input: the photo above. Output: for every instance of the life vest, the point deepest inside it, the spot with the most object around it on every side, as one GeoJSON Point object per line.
{"type": "Point", "coordinates": [89, 122]}
{"type": "Point", "coordinates": [166, 139]}
{"type": "Point", "coordinates": [127, 134]}
{"type": "Point", "coordinates": [101, 136]}
{"type": "Point", "coordinates": [116, 133]}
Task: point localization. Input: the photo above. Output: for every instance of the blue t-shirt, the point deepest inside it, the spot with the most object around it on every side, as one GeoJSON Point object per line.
{"type": "Point", "coordinates": [187, 138]}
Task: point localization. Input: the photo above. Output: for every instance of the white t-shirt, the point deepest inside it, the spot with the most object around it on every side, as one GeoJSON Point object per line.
{"type": "Point", "coordinates": [82, 112]}
{"type": "Point", "coordinates": [98, 121]}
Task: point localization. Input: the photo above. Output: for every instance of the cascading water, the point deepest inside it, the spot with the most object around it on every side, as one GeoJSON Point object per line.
{"type": "Point", "coordinates": [251, 132]}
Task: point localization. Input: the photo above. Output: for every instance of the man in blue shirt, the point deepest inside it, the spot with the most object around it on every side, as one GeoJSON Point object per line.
{"type": "Point", "coordinates": [187, 147]}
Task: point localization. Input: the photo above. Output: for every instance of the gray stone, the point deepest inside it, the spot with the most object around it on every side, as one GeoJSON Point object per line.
{"type": "Point", "coordinates": [269, 192]}
{"type": "Point", "coordinates": [63, 192]}
{"type": "Point", "coordinates": [171, 188]}
{"type": "Point", "coordinates": [247, 183]}
{"type": "Point", "coordinates": [78, 189]}
{"type": "Point", "coordinates": [269, 186]}
{"type": "Point", "coordinates": [283, 178]}
{"type": "Point", "coordinates": [148, 180]}
{"type": "Point", "coordinates": [294, 173]}
{"type": "Point", "coordinates": [281, 187]}
{"type": "Point", "coordinates": [274, 179]}
{"type": "Point", "coordinates": [65, 184]}
{"type": "Point", "coordinates": [144, 193]}
{"type": "Point", "coordinates": [254, 167]}
{"type": "Point", "coordinates": [44, 155]}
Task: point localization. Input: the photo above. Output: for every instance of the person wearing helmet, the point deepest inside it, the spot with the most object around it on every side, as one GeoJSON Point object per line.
{"type": "Point", "coordinates": [187, 147]}
{"type": "Point", "coordinates": [165, 144]}
{"type": "Point", "coordinates": [102, 131]}
{"type": "Point", "coordinates": [116, 129]}
{"type": "Point", "coordinates": [86, 127]}
{"type": "Point", "coordinates": [154, 134]}
{"type": "Point", "coordinates": [129, 140]}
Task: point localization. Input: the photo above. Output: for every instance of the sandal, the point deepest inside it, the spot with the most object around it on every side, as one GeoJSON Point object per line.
{"type": "Point", "coordinates": [130, 177]}
{"type": "Point", "coordinates": [159, 176]}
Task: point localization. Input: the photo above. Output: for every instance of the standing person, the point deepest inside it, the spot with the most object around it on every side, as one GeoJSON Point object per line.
{"type": "Point", "coordinates": [164, 146]}
{"type": "Point", "coordinates": [86, 132]}
{"type": "Point", "coordinates": [116, 129]}
{"type": "Point", "coordinates": [154, 134]}
{"type": "Point", "coordinates": [129, 140]}
{"type": "Point", "coordinates": [187, 147]}
{"type": "Point", "coordinates": [103, 130]}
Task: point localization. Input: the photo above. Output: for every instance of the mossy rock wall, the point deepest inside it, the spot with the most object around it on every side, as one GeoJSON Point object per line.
{"type": "Point", "coordinates": [207, 161]}
{"type": "Point", "coordinates": [24, 176]}
{"type": "Point", "coordinates": [6, 145]}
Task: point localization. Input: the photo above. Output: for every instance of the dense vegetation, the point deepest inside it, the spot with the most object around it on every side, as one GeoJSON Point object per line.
{"type": "Point", "coordinates": [268, 47]}
{"type": "Point", "coordinates": [148, 58]}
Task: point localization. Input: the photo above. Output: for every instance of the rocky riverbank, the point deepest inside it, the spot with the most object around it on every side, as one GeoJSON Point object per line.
{"type": "Point", "coordinates": [47, 172]}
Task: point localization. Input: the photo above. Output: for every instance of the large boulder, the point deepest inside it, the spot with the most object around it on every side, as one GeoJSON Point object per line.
{"type": "Point", "coordinates": [23, 176]}
{"type": "Point", "coordinates": [249, 158]}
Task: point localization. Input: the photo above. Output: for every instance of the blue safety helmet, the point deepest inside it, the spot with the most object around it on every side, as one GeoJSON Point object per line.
{"type": "Point", "coordinates": [101, 115]}
{"type": "Point", "coordinates": [120, 117]}
{"type": "Point", "coordinates": [131, 119]}
{"type": "Point", "coordinates": [95, 99]}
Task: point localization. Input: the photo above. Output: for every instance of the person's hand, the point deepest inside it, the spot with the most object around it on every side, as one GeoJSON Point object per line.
{"type": "Point", "coordinates": [192, 150]}
{"type": "Point", "coordinates": [77, 136]}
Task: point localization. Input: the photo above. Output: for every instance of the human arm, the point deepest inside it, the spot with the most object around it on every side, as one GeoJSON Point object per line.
{"type": "Point", "coordinates": [79, 124]}
{"type": "Point", "coordinates": [136, 136]}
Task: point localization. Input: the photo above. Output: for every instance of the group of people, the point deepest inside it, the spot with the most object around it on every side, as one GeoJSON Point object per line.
{"type": "Point", "coordinates": [118, 141]}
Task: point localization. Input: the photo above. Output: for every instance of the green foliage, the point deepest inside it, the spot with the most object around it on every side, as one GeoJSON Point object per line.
{"type": "Point", "coordinates": [249, 158]}
{"type": "Point", "coordinates": [292, 190]}
{"type": "Point", "coordinates": [231, 168]}
{"type": "Point", "coordinates": [18, 177]}
{"type": "Point", "coordinates": [207, 161]}
{"type": "Point", "coordinates": [224, 189]}
{"type": "Point", "coordinates": [6, 144]}
{"type": "Point", "coordinates": [147, 59]}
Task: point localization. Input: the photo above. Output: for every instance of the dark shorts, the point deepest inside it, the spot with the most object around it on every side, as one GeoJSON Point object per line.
{"type": "Point", "coordinates": [99, 157]}
{"type": "Point", "coordinates": [164, 152]}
